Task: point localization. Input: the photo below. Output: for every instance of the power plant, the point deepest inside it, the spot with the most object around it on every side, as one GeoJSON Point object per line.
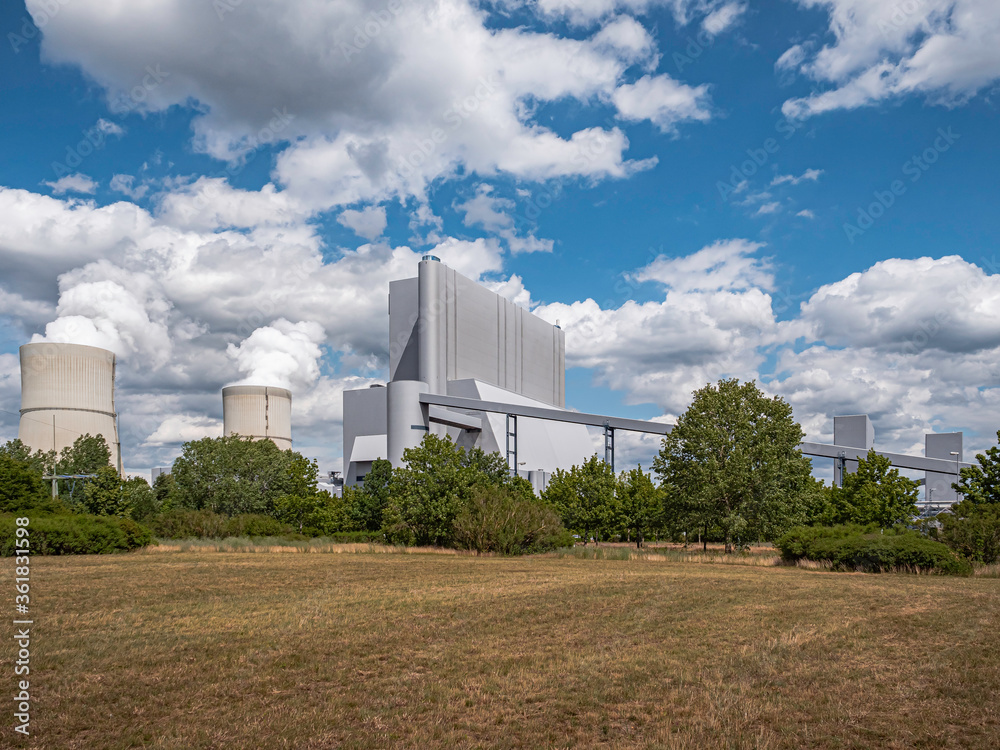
{"type": "Point", "coordinates": [449, 336]}
{"type": "Point", "coordinates": [67, 390]}
{"type": "Point", "coordinates": [260, 412]}
{"type": "Point", "coordinates": [463, 362]}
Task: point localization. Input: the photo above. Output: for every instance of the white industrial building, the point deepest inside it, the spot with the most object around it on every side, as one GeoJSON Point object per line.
{"type": "Point", "coordinates": [449, 336]}
{"type": "Point", "coordinates": [67, 391]}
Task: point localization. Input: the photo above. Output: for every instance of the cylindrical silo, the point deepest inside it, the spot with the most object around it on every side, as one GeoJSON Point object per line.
{"type": "Point", "coordinates": [407, 421]}
{"type": "Point", "coordinates": [261, 412]}
{"type": "Point", "coordinates": [67, 390]}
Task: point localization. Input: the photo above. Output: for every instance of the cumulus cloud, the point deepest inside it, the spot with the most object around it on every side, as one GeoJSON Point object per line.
{"type": "Point", "coordinates": [73, 183]}
{"type": "Point", "coordinates": [723, 265]}
{"type": "Point", "coordinates": [369, 222]}
{"type": "Point", "coordinates": [282, 354]}
{"type": "Point", "coordinates": [373, 103]}
{"type": "Point", "coordinates": [944, 49]}
{"type": "Point", "coordinates": [181, 428]}
{"type": "Point", "coordinates": [663, 101]}
{"type": "Point", "coordinates": [125, 184]}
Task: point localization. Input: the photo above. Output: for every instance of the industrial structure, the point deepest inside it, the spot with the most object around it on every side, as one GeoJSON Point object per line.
{"type": "Point", "coordinates": [466, 362]}
{"type": "Point", "coordinates": [463, 362]}
{"type": "Point", "coordinates": [261, 412]}
{"type": "Point", "coordinates": [451, 337]}
{"type": "Point", "coordinates": [67, 391]}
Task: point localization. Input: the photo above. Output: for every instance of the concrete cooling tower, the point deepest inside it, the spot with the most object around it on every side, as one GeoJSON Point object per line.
{"type": "Point", "coordinates": [67, 390]}
{"type": "Point", "coordinates": [258, 411]}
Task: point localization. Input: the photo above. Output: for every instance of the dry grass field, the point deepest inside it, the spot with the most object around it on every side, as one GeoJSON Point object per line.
{"type": "Point", "coordinates": [205, 649]}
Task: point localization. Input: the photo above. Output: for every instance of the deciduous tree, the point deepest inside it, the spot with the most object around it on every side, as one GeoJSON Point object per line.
{"type": "Point", "coordinates": [733, 457]}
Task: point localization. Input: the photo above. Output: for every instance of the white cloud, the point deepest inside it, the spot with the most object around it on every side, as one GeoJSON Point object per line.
{"type": "Point", "coordinates": [663, 101]}
{"type": "Point", "coordinates": [491, 212]}
{"type": "Point", "coordinates": [369, 222]}
{"type": "Point", "coordinates": [125, 184]}
{"type": "Point", "coordinates": [944, 49]}
{"type": "Point", "coordinates": [723, 18]}
{"type": "Point", "coordinates": [73, 183]}
{"type": "Point", "coordinates": [282, 354]}
{"type": "Point", "coordinates": [809, 174]}
{"type": "Point", "coordinates": [181, 428]}
{"type": "Point", "coordinates": [424, 91]}
{"type": "Point", "coordinates": [902, 306]}
{"type": "Point", "coordinates": [805, 213]}
{"type": "Point", "coordinates": [724, 265]}
{"type": "Point", "coordinates": [768, 208]}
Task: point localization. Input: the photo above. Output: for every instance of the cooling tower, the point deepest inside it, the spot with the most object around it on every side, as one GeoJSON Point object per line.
{"type": "Point", "coordinates": [67, 390]}
{"type": "Point", "coordinates": [258, 411]}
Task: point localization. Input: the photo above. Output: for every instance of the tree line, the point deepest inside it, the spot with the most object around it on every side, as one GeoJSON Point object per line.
{"type": "Point", "coordinates": [729, 472]}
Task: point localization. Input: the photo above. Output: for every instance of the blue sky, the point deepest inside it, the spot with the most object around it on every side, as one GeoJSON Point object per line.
{"type": "Point", "coordinates": [801, 192]}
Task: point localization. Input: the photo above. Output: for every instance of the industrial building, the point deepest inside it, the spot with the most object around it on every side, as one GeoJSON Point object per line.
{"type": "Point", "coordinates": [463, 362]}
{"type": "Point", "coordinates": [67, 391]}
{"type": "Point", "coordinates": [261, 412]}
{"type": "Point", "coordinates": [449, 336]}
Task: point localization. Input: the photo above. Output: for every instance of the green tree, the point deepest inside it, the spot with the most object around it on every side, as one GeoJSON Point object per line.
{"type": "Point", "coordinates": [972, 530]}
{"type": "Point", "coordinates": [104, 495]}
{"type": "Point", "coordinates": [140, 498]}
{"type": "Point", "coordinates": [427, 492]}
{"type": "Point", "coordinates": [734, 458]}
{"type": "Point", "coordinates": [87, 454]}
{"type": "Point", "coordinates": [980, 485]}
{"type": "Point", "coordinates": [165, 493]}
{"type": "Point", "coordinates": [21, 488]}
{"type": "Point", "coordinates": [233, 475]}
{"type": "Point", "coordinates": [40, 462]}
{"type": "Point", "coordinates": [875, 493]}
{"type": "Point", "coordinates": [584, 498]}
{"type": "Point", "coordinates": [368, 504]}
{"type": "Point", "coordinates": [639, 505]}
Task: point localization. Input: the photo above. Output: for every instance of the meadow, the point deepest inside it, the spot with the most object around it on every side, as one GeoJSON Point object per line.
{"type": "Point", "coordinates": [192, 647]}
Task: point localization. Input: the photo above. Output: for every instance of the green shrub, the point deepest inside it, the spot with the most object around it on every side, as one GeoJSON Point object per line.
{"type": "Point", "coordinates": [852, 547]}
{"type": "Point", "coordinates": [75, 534]}
{"type": "Point", "coordinates": [355, 537]}
{"type": "Point", "coordinates": [251, 524]}
{"type": "Point", "coordinates": [188, 524]}
{"type": "Point", "coordinates": [205, 524]}
{"type": "Point", "coordinates": [973, 531]}
{"type": "Point", "coordinates": [496, 520]}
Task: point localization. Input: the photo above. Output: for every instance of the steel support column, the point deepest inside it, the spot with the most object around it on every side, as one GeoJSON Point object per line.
{"type": "Point", "coordinates": [512, 444]}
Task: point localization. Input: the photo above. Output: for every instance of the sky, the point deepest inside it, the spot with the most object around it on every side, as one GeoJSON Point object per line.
{"type": "Point", "coordinates": [800, 192]}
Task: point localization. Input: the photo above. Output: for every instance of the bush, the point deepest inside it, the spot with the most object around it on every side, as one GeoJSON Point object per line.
{"type": "Point", "coordinates": [75, 534]}
{"type": "Point", "coordinates": [973, 531]}
{"type": "Point", "coordinates": [852, 547]}
{"type": "Point", "coordinates": [496, 520]}
{"type": "Point", "coordinates": [204, 524]}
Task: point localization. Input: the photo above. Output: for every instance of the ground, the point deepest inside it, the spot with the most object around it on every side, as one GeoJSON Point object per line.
{"type": "Point", "coordinates": [201, 649]}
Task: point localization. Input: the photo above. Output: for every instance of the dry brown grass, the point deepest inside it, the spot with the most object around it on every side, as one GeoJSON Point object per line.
{"type": "Point", "coordinates": [209, 650]}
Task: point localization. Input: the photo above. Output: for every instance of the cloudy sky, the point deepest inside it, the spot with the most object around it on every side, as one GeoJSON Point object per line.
{"type": "Point", "coordinates": [802, 192]}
